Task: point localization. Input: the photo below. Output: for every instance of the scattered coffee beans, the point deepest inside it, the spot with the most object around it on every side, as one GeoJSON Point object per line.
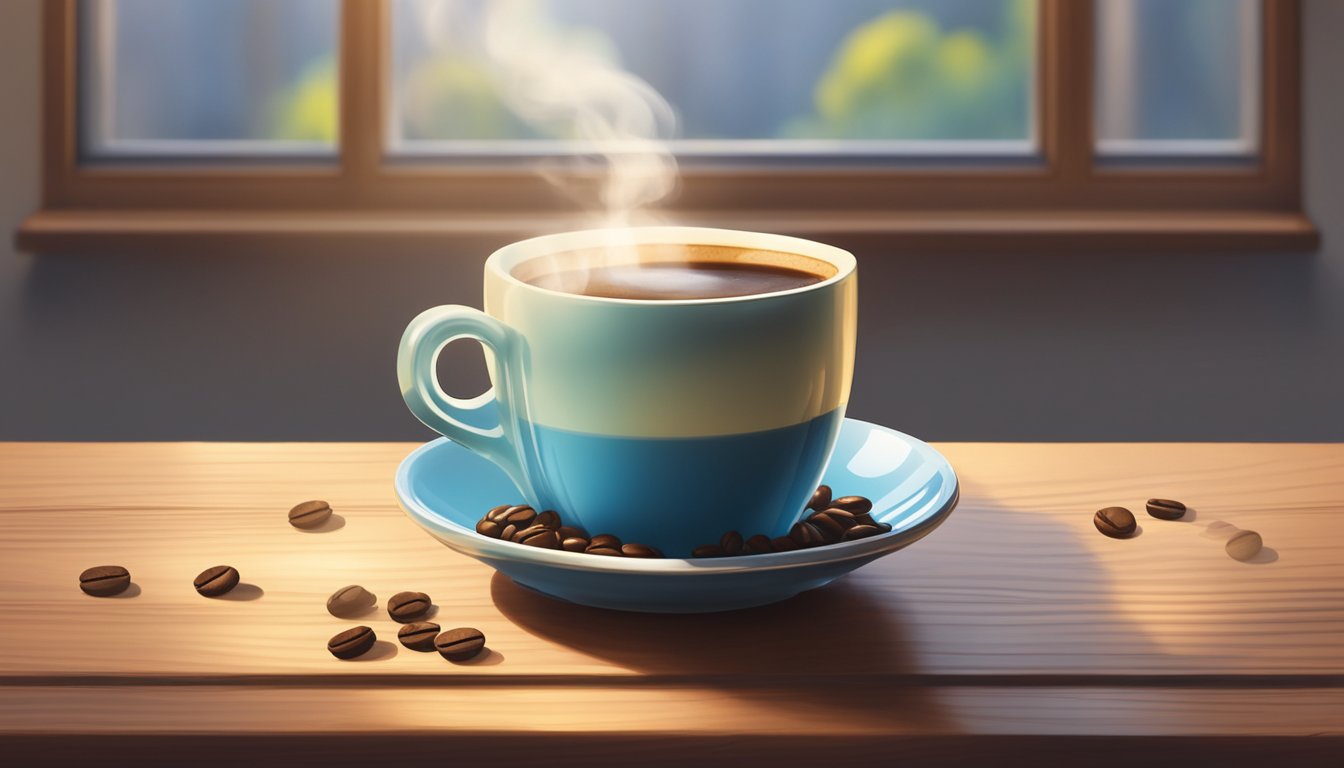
{"type": "Point", "coordinates": [216, 581]}
{"type": "Point", "coordinates": [1165, 509]}
{"type": "Point", "coordinates": [1244, 545]}
{"type": "Point", "coordinates": [1116, 522]}
{"type": "Point", "coordinates": [408, 606]}
{"type": "Point", "coordinates": [350, 601]}
{"type": "Point", "coordinates": [419, 636]}
{"type": "Point", "coordinates": [351, 643]}
{"type": "Point", "coordinates": [460, 644]}
{"type": "Point", "coordinates": [309, 514]}
{"type": "Point", "coordinates": [105, 580]}
{"type": "Point", "coordinates": [830, 522]}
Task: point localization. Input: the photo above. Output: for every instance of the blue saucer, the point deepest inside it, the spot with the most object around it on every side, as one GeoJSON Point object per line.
{"type": "Point", "coordinates": [446, 488]}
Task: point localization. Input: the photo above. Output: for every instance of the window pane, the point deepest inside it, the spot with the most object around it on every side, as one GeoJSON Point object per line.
{"type": "Point", "coordinates": [744, 76]}
{"type": "Point", "coordinates": [208, 77]}
{"type": "Point", "coordinates": [1178, 78]}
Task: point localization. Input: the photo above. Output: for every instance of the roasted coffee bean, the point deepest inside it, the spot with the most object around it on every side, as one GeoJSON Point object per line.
{"type": "Point", "coordinates": [707, 550]}
{"type": "Point", "coordinates": [1244, 545]}
{"type": "Point", "coordinates": [538, 536]}
{"type": "Point", "coordinates": [884, 527]}
{"type": "Point", "coordinates": [759, 545]}
{"type": "Point", "coordinates": [821, 498]}
{"type": "Point", "coordinates": [571, 532]}
{"type": "Point", "coordinates": [548, 519]}
{"type": "Point", "coordinates": [508, 532]}
{"type": "Point", "coordinates": [353, 642]}
{"type": "Point", "coordinates": [844, 518]}
{"type": "Point", "coordinates": [408, 606]}
{"type": "Point", "coordinates": [309, 514]}
{"type": "Point", "coordinates": [460, 644]}
{"type": "Point", "coordinates": [495, 512]}
{"type": "Point", "coordinates": [861, 532]}
{"type": "Point", "coordinates": [805, 534]}
{"type": "Point", "coordinates": [350, 601]}
{"type": "Point", "coordinates": [857, 505]}
{"type": "Point", "coordinates": [489, 528]}
{"type": "Point", "coordinates": [639, 550]}
{"type": "Point", "coordinates": [731, 543]}
{"type": "Point", "coordinates": [831, 530]}
{"type": "Point", "coordinates": [783, 544]}
{"type": "Point", "coordinates": [574, 544]}
{"type": "Point", "coordinates": [213, 582]}
{"type": "Point", "coordinates": [519, 515]}
{"type": "Point", "coordinates": [419, 636]}
{"type": "Point", "coordinates": [605, 551]}
{"type": "Point", "coordinates": [105, 580]}
{"type": "Point", "coordinates": [605, 540]}
{"type": "Point", "coordinates": [864, 519]}
{"type": "Point", "coordinates": [1165, 509]}
{"type": "Point", "coordinates": [1116, 522]}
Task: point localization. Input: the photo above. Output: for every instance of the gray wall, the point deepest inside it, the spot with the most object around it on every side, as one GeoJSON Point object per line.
{"type": "Point", "coordinates": [272, 346]}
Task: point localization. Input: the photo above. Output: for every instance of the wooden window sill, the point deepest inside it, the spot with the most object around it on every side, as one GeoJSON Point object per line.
{"type": "Point", "coordinates": [104, 231]}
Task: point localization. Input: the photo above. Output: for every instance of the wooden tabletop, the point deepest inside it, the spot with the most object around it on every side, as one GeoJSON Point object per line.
{"type": "Point", "coordinates": [1014, 631]}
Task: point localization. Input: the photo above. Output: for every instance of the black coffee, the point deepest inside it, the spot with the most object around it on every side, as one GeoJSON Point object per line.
{"type": "Point", "coordinates": [674, 272]}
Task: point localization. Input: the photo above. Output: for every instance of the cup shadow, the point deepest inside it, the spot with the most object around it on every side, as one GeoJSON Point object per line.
{"type": "Point", "coordinates": [741, 652]}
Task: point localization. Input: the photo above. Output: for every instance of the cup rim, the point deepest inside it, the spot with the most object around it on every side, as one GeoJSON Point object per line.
{"type": "Point", "coordinates": [502, 262]}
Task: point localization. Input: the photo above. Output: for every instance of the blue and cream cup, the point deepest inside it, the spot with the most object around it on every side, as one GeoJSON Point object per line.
{"type": "Point", "coordinates": [666, 422]}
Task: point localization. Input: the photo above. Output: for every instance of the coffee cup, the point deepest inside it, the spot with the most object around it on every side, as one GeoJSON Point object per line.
{"type": "Point", "coordinates": [662, 384]}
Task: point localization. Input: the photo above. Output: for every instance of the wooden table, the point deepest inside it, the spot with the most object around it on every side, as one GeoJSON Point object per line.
{"type": "Point", "coordinates": [1015, 632]}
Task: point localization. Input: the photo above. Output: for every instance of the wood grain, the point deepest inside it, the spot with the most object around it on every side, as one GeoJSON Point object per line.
{"type": "Point", "coordinates": [1015, 617]}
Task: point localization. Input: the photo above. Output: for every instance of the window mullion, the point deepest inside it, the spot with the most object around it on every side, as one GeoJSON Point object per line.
{"type": "Point", "coordinates": [1067, 44]}
{"type": "Point", "coordinates": [363, 41]}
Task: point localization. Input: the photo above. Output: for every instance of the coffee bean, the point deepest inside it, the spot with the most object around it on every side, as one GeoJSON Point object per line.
{"type": "Point", "coordinates": [538, 536]}
{"type": "Point", "coordinates": [856, 505]}
{"type": "Point", "coordinates": [821, 498]}
{"type": "Point", "coordinates": [489, 528]}
{"type": "Point", "coordinates": [508, 532]}
{"type": "Point", "coordinates": [495, 512]}
{"type": "Point", "coordinates": [884, 527]}
{"type": "Point", "coordinates": [460, 644]}
{"type": "Point", "coordinates": [353, 642]}
{"type": "Point", "coordinates": [759, 545]}
{"type": "Point", "coordinates": [1116, 522]}
{"type": "Point", "coordinates": [408, 606]}
{"type": "Point", "coordinates": [571, 532]}
{"type": "Point", "coordinates": [846, 519]}
{"type": "Point", "coordinates": [831, 530]}
{"type": "Point", "coordinates": [105, 580]}
{"type": "Point", "coordinates": [605, 540]}
{"type": "Point", "coordinates": [548, 519]}
{"type": "Point", "coordinates": [783, 544]}
{"type": "Point", "coordinates": [639, 550]}
{"type": "Point", "coordinates": [213, 582]}
{"type": "Point", "coordinates": [1244, 545]}
{"type": "Point", "coordinates": [861, 532]}
{"type": "Point", "coordinates": [309, 514]}
{"type": "Point", "coordinates": [864, 519]}
{"type": "Point", "coordinates": [419, 636]}
{"type": "Point", "coordinates": [574, 544]}
{"type": "Point", "coordinates": [519, 515]}
{"type": "Point", "coordinates": [805, 534]}
{"type": "Point", "coordinates": [731, 543]}
{"type": "Point", "coordinates": [1165, 509]}
{"type": "Point", "coordinates": [707, 550]}
{"type": "Point", "coordinates": [605, 551]}
{"type": "Point", "coordinates": [350, 601]}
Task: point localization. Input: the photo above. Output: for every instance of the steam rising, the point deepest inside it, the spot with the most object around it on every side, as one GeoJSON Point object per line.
{"type": "Point", "coordinates": [559, 82]}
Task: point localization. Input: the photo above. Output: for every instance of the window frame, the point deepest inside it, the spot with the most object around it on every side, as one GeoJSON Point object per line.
{"type": "Point", "coordinates": [1067, 200]}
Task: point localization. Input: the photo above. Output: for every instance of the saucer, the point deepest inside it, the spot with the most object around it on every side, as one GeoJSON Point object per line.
{"type": "Point", "coordinates": [446, 488]}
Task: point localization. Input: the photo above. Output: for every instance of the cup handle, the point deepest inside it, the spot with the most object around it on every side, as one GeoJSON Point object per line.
{"type": "Point", "coordinates": [417, 356]}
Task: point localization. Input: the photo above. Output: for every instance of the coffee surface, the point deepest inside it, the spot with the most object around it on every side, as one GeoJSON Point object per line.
{"type": "Point", "coordinates": [662, 273]}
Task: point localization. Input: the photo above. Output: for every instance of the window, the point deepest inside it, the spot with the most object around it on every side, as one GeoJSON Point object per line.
{"type": "Point", "coordinates": [1074, 124]}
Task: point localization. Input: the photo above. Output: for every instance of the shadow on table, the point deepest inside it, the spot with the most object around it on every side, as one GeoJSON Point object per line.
{"type": "Point", "coordinates": [811, 652]}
